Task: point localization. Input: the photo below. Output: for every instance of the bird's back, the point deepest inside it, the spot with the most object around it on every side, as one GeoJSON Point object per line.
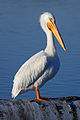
{"type": "Point", "coordinates": [29, 72]}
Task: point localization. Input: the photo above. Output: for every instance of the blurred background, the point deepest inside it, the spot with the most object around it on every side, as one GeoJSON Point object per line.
{"type": "Point", "coordinates": [21, 37]}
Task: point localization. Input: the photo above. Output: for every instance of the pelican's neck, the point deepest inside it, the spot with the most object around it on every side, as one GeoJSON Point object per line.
{"type": "Point", "coordinates": [50, 48]}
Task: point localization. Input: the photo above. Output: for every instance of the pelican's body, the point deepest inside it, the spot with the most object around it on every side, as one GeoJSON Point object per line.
{"type": "Point", "coordinates": [41, 67]}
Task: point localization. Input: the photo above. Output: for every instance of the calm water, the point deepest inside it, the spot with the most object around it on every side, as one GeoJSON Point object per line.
{"type": "Point", "coordinates": [21, 36]}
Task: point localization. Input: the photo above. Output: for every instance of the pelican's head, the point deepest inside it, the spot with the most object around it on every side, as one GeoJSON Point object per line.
{"type": "Point", "coordinates": [47, 22]}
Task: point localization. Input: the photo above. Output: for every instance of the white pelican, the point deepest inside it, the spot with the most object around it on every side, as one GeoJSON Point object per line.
{"type": "Point", "coordinates": [41, 67]}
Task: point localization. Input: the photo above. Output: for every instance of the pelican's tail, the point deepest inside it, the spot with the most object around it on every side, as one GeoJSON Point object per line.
{"type": "Point", "coordinates": [14, 93]}
{"type": "Point", "coordinates": [15, 90]}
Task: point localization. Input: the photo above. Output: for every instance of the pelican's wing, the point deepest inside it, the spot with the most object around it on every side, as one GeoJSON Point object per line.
{"type": "Point", "coordinates": [30, 71]}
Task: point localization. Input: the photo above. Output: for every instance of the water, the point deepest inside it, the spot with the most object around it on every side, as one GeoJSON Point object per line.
{"type": "Point", "coordinates": [21, 36]}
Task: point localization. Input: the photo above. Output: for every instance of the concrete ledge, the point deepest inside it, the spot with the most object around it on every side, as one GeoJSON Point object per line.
{"type": "Point", "coordinates": [66, 108]}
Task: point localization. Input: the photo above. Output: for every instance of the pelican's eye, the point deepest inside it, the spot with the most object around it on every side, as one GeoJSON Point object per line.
{"type": "Point", "coordinates": [49, 26]}
{"type": "Point", "coordinates": [51, 19]}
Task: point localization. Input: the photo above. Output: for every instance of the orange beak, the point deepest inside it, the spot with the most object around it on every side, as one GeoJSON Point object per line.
{"type": "Point", "coordinates": [52, 26]}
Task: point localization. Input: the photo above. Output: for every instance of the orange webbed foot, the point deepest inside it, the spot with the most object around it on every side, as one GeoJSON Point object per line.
{"type": "Point", "coordinates": [42, 99]}
{"type": "Point", "coordinates": [38, 96]}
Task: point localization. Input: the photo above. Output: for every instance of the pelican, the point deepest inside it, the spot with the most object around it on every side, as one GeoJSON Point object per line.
{"type": "Point", "coordinates": [41, 67]}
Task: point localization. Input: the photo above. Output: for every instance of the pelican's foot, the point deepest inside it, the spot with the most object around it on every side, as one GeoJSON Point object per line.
{"type": "Point", "coordinates": [45, 98]}
{"type": "Point", "coordinates": [42, 98]}
{"type": "Point", "coordinates": [38, 96]}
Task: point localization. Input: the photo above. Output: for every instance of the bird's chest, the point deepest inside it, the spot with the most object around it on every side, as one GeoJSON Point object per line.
{"type": "Point", "coordinates": [53, 67]}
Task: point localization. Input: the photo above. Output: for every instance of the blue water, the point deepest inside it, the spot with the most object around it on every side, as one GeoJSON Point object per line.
{"type": "Point", "coordinates": [21, 37]}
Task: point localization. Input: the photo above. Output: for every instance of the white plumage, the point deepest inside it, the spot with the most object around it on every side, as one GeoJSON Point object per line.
{"type": "Point", "coordinates": [41, 67]}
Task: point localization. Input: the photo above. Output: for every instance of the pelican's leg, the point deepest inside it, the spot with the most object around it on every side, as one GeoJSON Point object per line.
{"type": "Point", "coordinates": [38, 95]}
